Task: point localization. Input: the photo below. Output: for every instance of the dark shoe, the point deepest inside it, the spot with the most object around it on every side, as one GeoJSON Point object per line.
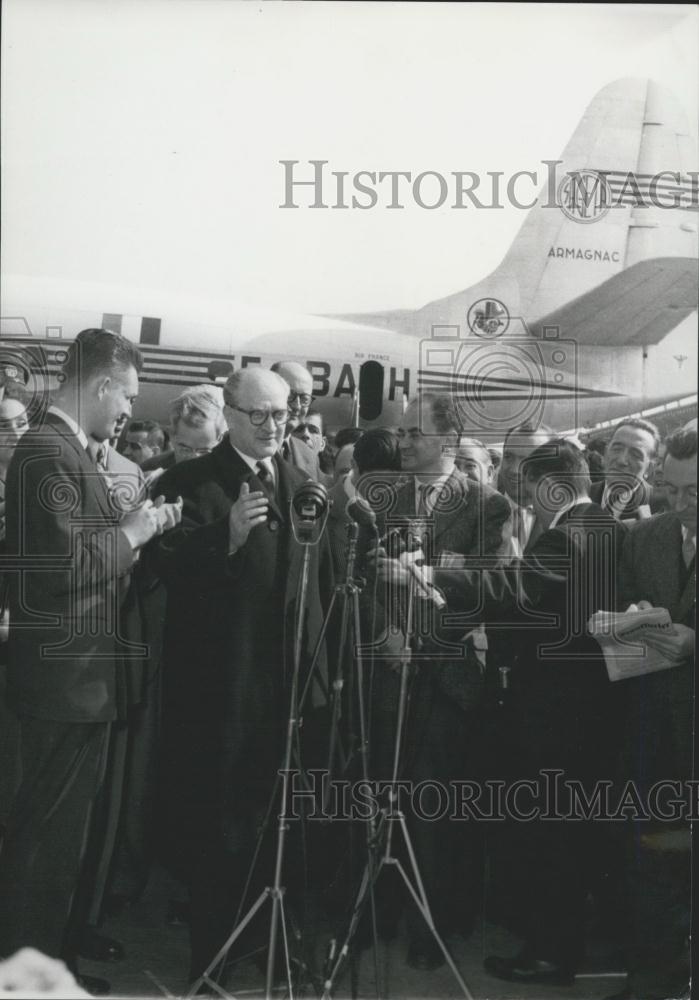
{"type": "Point", "coordinates": [425, 955]}
{"type": "Point", "coordinates": [93, 985]}
{"type": "Point", "coordinates": [523, 969]}
{"type": "Point", "coordinates": [99, 948]}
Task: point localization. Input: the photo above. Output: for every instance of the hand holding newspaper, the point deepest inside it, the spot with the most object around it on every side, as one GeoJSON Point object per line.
{"type": "Point", "coordinates": [640, 640]}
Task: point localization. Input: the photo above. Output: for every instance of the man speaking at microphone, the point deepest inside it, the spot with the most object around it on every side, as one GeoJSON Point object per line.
{"type": "Point", "coordinates": [458, 519]}
{"type": "Point", "coordinates": [232, 571]}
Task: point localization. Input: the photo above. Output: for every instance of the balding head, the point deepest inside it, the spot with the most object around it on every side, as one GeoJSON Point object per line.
{"type": "Point", "coordinates": [300, 388]}
{"type": "Point", "coordinates": [256, 411]}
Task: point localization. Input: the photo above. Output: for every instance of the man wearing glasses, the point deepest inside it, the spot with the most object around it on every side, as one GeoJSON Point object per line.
{"type": "Point", "coordinates": [300, 399]}
{"type": "Point", "coordinates": [232, 575]}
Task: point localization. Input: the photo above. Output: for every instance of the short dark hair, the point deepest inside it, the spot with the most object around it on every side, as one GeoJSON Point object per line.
{"type": "Point", "coordinates": [315, 414]}
{"type": "Point", "coordinates": [562, 462]}
{"type": "Point", "coordinates": [682, 443]}
{"type": "Point", "coordinates": [469, 442]}
{"type": "Point", "coordinates": [642, 425]}
{"type": "Point", "coordinates": [99, 352]}
{"type": "Point", "coordinates": [377, 451]}
{"type": "Point", "coordinates": [442, 410]}
{"type": "Point", "coordinates": [156, 435]}
{"type": "Point", "coordinates": [598, 445]}
{"type": "Point", "coordinates": [347, 435]}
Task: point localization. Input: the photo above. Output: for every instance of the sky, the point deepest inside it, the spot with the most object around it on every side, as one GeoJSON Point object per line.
{"type": "Point", "coordinates": [142, 139]}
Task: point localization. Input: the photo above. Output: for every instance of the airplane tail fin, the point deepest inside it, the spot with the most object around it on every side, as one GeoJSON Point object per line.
{"type": "Point", "coordinates": [608, 252]}
{"type": "Point", "coordinates": [625, 201]}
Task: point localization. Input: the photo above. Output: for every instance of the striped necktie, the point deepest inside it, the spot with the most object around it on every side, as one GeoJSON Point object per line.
{"type": "Point", "coordinates": [264, 474]}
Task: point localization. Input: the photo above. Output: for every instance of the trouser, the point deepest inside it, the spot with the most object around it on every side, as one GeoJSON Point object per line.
{"type": "Point", "coordinates": [659, 874]}
{"type": "Point", "coordinates": [437, 752]}
{"type": "Point", "coordinates": [48, 831]}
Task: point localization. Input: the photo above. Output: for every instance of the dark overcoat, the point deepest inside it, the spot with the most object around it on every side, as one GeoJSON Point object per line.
{"type": "Point", "coordinates": [228, 645]}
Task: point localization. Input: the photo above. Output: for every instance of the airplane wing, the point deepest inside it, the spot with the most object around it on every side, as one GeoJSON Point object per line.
{"type": "Point", "coordinates": [639, 305]}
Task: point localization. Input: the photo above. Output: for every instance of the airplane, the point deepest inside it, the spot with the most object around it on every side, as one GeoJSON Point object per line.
{"type": "Point", "coordinates": [582, 321]}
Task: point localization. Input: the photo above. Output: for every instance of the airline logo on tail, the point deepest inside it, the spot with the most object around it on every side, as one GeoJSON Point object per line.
{"type": "Point", "coordinates": [587, 195]}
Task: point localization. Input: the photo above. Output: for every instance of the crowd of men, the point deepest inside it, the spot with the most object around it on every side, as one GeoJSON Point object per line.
{"type": "Point", "coordinates": [149, 585]}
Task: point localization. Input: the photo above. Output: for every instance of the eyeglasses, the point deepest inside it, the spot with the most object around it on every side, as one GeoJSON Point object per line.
{"type": "Point", "coordinates": [303, 398]}
{"type": "Point", "coordinates": [259, 417]}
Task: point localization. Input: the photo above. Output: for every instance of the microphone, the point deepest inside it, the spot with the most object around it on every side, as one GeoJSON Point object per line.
{"type": "Point", "coordinates": [404, 542]}
{"type": "Point", "coordinates": [403, 536]}
{"type": "Point", "coordinates": [309, 512]}
{"type": "Point", "coordinates": [359, 511]}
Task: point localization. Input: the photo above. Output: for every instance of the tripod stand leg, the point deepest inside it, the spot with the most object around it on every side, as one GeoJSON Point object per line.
{"type": "Point", "coordinates": [225, 948]}
{"type": "Point", "coordinates": [420, 899]}
{"type": "Point", "coordinates": [366, 888]}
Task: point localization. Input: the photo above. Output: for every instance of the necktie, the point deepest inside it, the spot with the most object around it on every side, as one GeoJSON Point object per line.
{"type": "Point", "coordinates": [99, 456]}
{"type": "Point", "coordinates": [617, 499]}
{"type": "Point", "coordinates": [266, 478]}
{"type": "Point", "coordinates": [688, 550]}
{"type": "Point", "coordinates": [286, 451]}
{"type": "Point", "coordinates": [426, 499]}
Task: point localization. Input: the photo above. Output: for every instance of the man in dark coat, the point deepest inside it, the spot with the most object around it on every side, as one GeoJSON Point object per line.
{"type": "Point", "coordinates": [658, 568]}
{"type": "Point", "coordinates": [565, 707]}
{"type": "Point", "coordinates": [232, 570]}
{"type": "Point", "coordinates": [68, 547]}
{"type": "Point", "coordinates": [300, 398]}
{"type": "Point", "coordinates": [458, 520]}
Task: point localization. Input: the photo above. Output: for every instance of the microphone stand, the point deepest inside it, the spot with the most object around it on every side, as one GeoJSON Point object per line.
{"type": "Point", "coordinates": [276, 891]}
{"type": "Point", "coordinates": [390, 816]}
{"type": "Point", "coordinates": [348, 592]}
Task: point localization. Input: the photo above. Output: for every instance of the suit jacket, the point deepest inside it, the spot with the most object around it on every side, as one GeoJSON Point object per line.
{"type": "Point", "coordinates": [227, 655]}
{"type": "Point", "coordinates": [565, 703]}
{"type": "Point", "coordinates": [303, 457]}
{"type": "Point", "coordinates": [163, 460]}
{"type": "Point", "coordinates": [659, 733]}
{"type": "Point", "coordinates": [65, 558]}
{"type": "Point", "coordinates": [465, 524]}
{"type": "Point", "coordinates": [642, 497]}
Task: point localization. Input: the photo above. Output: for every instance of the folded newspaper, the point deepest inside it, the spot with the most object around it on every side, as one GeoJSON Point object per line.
{"type": "Point", "coordinates": [626, 639]}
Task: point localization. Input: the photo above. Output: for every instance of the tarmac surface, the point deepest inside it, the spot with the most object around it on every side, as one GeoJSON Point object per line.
{"type": "Point", "coordinates": [157, 956]}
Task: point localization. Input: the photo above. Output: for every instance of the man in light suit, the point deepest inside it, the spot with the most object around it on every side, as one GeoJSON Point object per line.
{"type": "Point", "coordinates": [232, 571]}
{"type": "Point", "coordinates": [459, 519]}
{"type": "Point", "coordinates": [658, 569]}
{"type": "Point", "coordinates": [300, 399]}
{"type": "Point", "coordinates": [67, 550]}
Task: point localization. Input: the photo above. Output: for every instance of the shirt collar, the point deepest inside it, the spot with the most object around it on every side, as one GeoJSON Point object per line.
{"type": "Point", "coordinates": [71, 424]}
{"type": "Point", "coordinates": [686, 535]}
{"type": "Point", "coordinates": [253, 462]}
{"type": "Point", "coordinates": [431, 490]}
{"type": "Point", "coordinates": [569, 506]}
{"type": "Point", "coordinates": [622, 490]}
